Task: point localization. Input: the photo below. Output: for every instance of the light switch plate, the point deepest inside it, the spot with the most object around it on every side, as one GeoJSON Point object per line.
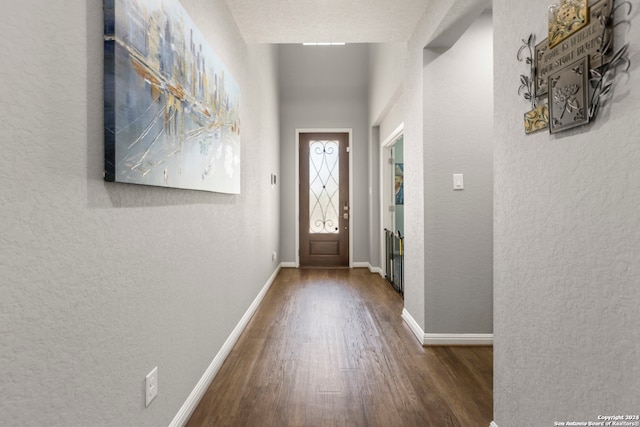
{"type": "Point", "coordinates": [458, 181]}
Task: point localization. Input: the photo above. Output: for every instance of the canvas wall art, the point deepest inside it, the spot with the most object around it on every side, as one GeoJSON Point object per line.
{"type": "Point", "coordinates": [172, 109]}
{"type": "Point", "coordinates": [399, 184]}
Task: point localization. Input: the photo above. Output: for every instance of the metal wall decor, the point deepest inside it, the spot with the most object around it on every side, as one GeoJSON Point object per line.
{"type": "Point", "coordinates": [568, 87]}
{"type": "Point", "coordinates": [571, 72]}
{"type": "Point", "coordinates": [567, 18]}
{"type": "Point", "coordinates": [537, 119]}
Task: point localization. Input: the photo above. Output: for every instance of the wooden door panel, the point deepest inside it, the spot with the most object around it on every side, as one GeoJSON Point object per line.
{"type": "Point", "coordinates": [324, 199]}
{"type": "Point", "coordinates": [319, 247]}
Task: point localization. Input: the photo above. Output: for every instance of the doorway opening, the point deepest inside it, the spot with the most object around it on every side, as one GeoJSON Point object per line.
{"type": "Point", "coordinates": [392, 197]}
{"type": "Point", "coordinates": [324, 217]}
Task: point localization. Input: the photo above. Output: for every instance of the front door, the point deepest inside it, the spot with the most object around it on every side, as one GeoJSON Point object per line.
{"type": "Point", "coordinates": [324, 199]}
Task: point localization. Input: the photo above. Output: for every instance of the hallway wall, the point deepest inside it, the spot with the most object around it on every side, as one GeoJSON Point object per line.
{"type": "Point", "coordinates": [458, 138]}
{"type": "Point", "coordinates": [101, 282]}
{"type": "Point", "coordinates": [324, 87]}
{"type": "Point", "coordinates": [567, 245]}
{"type": "Point", "coordinates": [441, 25]}
{"type": "Point", "coordinates": [387, 64]}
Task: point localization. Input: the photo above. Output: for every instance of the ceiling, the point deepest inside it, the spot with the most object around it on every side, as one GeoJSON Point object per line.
{"type": "Point", "coordinates": [350, 21]}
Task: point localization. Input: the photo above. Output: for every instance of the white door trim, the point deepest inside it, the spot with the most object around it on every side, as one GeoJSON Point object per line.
{"type": "Point", "coordinates": [383, 205]}
{"type": "Point", "coordinates": [297, 186]}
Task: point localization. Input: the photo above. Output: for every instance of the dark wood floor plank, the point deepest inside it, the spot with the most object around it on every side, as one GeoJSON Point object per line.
{"type": "Point", "coordinates": [329, 348]}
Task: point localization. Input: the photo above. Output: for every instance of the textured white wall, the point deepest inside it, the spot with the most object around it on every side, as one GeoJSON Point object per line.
{"type": "Point", "coordinates": [440, 16]}
{"type": "Point", "coordinates": [458, 138]}
{"type": "Point", "coordinates": [567, 246]}
{"type": "Point", "coordinates": [324, 87]}
{"type": "Point", "coordinates": [392, 121]}
{"type": "Point", "coordinates": [101, 282]}
{"type": "Point", "coordinates": [414, 180]}
{"type": "Point", "coordinates": [387, 61]}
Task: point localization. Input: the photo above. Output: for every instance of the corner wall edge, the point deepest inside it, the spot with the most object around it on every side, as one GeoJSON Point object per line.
{"type": "Point", "coordinates": [413, 325]}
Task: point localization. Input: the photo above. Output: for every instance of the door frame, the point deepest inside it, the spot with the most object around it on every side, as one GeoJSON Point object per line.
{"type": "Point", "coordinates": [387, 143]}
{"type": "Point", "coordinates": [297, 186]}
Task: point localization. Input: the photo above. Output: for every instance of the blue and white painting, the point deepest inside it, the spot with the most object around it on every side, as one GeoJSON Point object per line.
{"type": "Point", "coordinates": [172, 115]}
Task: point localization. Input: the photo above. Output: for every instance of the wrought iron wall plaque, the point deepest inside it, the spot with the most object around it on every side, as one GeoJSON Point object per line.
{"type": "Point", "coordinates": [577, 61]}
{"type": "Point", "coordinates": [580, 44]}
{"type": "Point", "coordinates": [537, 119]}
{"type": "Point", "coordinates": [567, 18]}
{"type": "Point", "coordinates": [568, 97]}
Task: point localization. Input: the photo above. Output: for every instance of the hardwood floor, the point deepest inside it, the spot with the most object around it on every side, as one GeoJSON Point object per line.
{"type": "Point", "coordinates": [329, 348]}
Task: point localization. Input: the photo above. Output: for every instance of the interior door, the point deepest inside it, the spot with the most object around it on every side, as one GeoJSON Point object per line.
{"type": "Point", "coordinates": [324, 199]}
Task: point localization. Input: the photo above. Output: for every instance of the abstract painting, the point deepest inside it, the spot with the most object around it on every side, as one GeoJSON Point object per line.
{"type": "Point", "coordinates": [399, 184]}
{"type": "Point", "coordinates": [172, 109]}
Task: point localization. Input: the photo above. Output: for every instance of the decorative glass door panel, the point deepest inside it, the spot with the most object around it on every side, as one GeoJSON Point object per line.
{"type": "Point", "coordinates": [324, 187]}
{"type": "Point", "coordinates": [324, 199]}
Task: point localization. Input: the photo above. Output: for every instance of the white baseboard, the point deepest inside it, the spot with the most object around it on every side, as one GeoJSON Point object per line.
{"type": "Point", "coordinates": [360, 265]}
{"type": "Point", "coordinates": [493, 424]}
{"type": "Point", "coordinates": [192, 401]}
{"type": "Point", "coordinates": [288, 265]}
{"type": "Point", "coordinates": [458, 339]}
{"type": "Point", "coordinates": [372, 269]}
{"type": "Point", "coordinates": [375, 270]}
{"type": "Point", "coordinates": [413, 325]}
{"type": "Point", "coordinates": [444, 339]}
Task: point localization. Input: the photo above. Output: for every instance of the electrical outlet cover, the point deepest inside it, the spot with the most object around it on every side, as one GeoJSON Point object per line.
{"type": "Point", "coordinates": [151, 386]}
